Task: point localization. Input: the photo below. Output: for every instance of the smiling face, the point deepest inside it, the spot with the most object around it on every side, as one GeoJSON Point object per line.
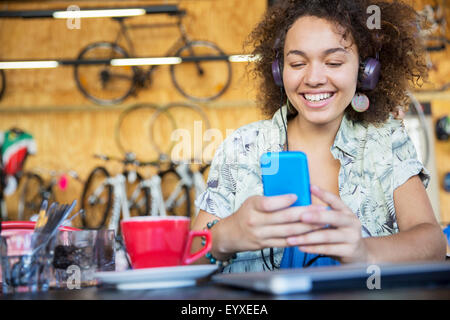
{"type": "Point", "coordinates": [320, 70]}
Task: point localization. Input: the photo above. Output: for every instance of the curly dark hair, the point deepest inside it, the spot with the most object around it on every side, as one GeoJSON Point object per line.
{"type": "Point", "coordinates": [401, 50]}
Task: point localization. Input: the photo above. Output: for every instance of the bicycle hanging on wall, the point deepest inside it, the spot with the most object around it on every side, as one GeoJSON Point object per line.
{"type": "Point", "coordinates": [35, 189]}
{"type": "Point", "coordinates": [106, 197]}
{"type": "Point", "coordinates": [180, 176]}
{"type": "Point", "coordinates": [202, 79]}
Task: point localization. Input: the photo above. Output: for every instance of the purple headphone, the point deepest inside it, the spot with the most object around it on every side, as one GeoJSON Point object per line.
{"type": "Point", "coordinates": [368, 76]}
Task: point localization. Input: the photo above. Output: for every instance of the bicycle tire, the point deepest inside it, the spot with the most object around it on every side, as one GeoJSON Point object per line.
{"type": "Point", "coordinates": [138, 203]}
{"type": "Point", "coordinates": [96, 211]}
{"type": "Point", "coordinates": [181, 210]}
{"type": "Point", "coordinates": [30, 198]}
{"type": "Point", "coordinates": [166, 109]}
{"type": "Point", "coordinates": [2, 83]}
{"type": "Point", "coordinates": [138, 107]}
{"type": "Point", "coordinates": [197, 82]}
{"type": "Point", "coordinates": [115, 93]}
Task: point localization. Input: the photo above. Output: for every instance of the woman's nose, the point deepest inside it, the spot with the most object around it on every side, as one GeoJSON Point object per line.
{"type": "Point", "coordinates": [315, 75]}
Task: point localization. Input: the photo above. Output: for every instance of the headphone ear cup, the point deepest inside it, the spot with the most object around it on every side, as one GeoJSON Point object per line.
{"type": "Point", "coordinates": [369, 74]}
{"type": "Point", "coordinates": [276, 73]}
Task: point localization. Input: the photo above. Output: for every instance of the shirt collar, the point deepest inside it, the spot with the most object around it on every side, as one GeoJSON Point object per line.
{"type": "Point", "coordinates": [347, 138]}
{"type": "Point", "coordinates": [277, 121]}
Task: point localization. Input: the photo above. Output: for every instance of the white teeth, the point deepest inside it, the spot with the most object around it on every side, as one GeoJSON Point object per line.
{"type": "Point", "coordinates": [317, 97]}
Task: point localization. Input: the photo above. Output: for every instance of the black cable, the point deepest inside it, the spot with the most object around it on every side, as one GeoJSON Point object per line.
{"type": "Point", "coordinates": [271, 255]}
{"type": "Point", "coordinates": [305, 255]}
{"type": "Point", "coordinates": [272, 260]}
{"type": "Point", "coordinates": [310, 262]}
{"type": "Point", "coordinates": [264, 260]}
{"type": "Point", "coordinates": [282, 118]}
{"type": "Point", "coordinates": [304, 259]}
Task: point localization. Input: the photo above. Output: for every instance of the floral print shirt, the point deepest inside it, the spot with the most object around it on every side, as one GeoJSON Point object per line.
{"type": "Point", "coordinates": [374, 162]}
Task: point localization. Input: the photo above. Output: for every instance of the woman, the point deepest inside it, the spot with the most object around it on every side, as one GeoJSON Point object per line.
{"type": "Point", "coordinates": [367, 184]}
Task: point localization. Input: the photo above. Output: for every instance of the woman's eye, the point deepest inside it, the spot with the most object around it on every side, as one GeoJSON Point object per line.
{"type": "Point", "coordinates": [334, 64]}
{"type": "Point", "coordinates": [296, 65]}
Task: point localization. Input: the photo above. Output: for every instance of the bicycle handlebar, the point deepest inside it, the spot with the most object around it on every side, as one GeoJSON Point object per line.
{"type": "Point", "coordinates": [126, 160]}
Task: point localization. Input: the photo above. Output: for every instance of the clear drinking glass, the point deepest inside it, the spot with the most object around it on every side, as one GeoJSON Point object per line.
{"type": "Point", "coordinates": [24, 268]}
{"type": "Point", "coordinates": [79, 254]}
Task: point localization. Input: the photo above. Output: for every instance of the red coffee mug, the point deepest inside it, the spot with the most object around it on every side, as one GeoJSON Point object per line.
{"type": "Point", "coordinates": [161, 241]}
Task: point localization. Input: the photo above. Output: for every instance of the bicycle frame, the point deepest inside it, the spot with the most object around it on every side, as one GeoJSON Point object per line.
{"type": "Point", "coordinates": [120, 201]}
{"type": "Point", "coordinates": [190, 179]}
{"type": "Point", "coordinates": [157, 200]}
{"type": "Point", "coordinates": [118, 186]}
{"type": "Point", "coordinates": [138, 77]}
{"type": "Point", "coordinates": [47, 191]}
{"type": "Point", "coordinates": [183, 39]}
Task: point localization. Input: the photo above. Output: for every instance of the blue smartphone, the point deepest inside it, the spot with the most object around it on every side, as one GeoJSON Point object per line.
{"type": "Point", "coordinates": [286, 172]}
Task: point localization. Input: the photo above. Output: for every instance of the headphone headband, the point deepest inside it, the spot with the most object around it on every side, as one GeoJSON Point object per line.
{"type": "Point", "coordinates": [276, 73]}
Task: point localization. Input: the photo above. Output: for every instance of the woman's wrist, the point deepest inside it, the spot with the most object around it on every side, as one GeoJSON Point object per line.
{"type": "Point", "coordinates": [368, 251]}
{"type": "Point", "coordinates": [221, 248]}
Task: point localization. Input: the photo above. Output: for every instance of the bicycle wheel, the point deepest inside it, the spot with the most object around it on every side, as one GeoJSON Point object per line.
{"type": "Point", "coordinates": [2, 83]}
{"type": "Point", "coordinates": [30, 198]}
{"type": "Point", "coordinates": [180, 201]}
{"type": "Point", "coordinates": [104, 84]}
{"type": "Point", "coordinates": [137, 195]}
{"type": "Point", "coordinates": [132, 127]}
{"type": "Point", "coordinates": [188, 115]}
{"type": "Point", "coordinates": [201, 80]}
{"type": "Point", "coordinates": [96, 199]}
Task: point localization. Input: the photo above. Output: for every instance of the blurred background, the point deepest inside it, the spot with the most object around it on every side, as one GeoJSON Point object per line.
{"type": "Point", "coordinates": [76, 104]}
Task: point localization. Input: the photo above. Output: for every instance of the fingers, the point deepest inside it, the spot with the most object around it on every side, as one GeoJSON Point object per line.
{"type": "Point", "coordinates": [287, 230]}
{"type": "Point", "coordinates": [274, 203]}
{"type": "Point", "coordinates": [333, 200]}
{"type": "Point", "coordinates": [274, 243]}
{"type": "Point", "coordinates": [337, 250]}
{"type": "Point", "coordinates": [328, 217]}
{"type": "Point", "coordinates": [324, 236]}
{"type": "Point", "coordinates": [291, 214]}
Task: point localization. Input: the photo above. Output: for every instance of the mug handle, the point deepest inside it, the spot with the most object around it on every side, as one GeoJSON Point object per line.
{"type": "Point", "coordinates": [188, 258]}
